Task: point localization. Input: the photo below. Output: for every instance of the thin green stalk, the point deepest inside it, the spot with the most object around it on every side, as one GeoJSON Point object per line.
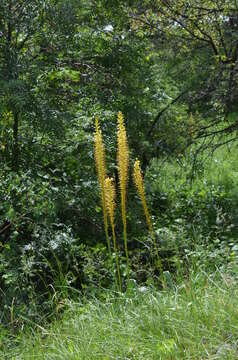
{"type": "Point", "coordinates": [116, 257]}
{"type": "Point", "coordinates": [106, 221]}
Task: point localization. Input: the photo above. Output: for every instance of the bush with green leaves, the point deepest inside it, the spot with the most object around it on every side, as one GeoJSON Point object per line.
{"type": "Point", "coordinates": [197, 217]}
{"type": "Point", "coordinates": [46, 242]}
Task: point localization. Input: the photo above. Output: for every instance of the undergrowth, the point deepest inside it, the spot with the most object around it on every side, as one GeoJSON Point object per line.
{"type": "Point", "coordinates": [195, 319]}
{"type": "Point", "coordinates": [195, 226]}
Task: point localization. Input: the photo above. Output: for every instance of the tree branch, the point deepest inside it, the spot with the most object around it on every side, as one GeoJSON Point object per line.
{"type": "Point", "coordinates": [164, 110]}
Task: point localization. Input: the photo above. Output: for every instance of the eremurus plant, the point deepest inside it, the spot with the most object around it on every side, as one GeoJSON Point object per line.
{"type": "Point", "coordinates": [108, 192]}
{"type": "Point", "coordinates": [138, 180]}
{"type": "Point", "coordinates": [100, 161]}
{"type": "Point", "coordinates": [110, 196]}
{"type": "Point", "coordinates": [123, 166]}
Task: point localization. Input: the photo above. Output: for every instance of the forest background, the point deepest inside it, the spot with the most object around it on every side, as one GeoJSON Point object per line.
{"type": "Point", "coordinates": [171, 67]}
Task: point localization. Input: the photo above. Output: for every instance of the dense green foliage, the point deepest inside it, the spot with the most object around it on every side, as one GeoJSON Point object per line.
{"type": "Point", "coordinates": [171, 67]}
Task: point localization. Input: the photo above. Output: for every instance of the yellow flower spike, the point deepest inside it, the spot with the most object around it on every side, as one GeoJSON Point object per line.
{"type": "Point", "coordinates": [138, 180]}
{"type": "Point", "coordinates": [110, 196]}
{"type": "Point", "coordinates": [123, 166]}
{"type": "Point", "coordinates": [99, 155]}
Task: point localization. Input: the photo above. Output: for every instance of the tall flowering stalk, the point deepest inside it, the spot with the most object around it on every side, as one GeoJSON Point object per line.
{"type": "Point", "coordinates": [110, 195]}
{"type": "Point", "coordinates": [123, 166]}
{"type": "Point", "coordinates": [138, 180]}
{"type": "Point", "coordinates": [99, 155]}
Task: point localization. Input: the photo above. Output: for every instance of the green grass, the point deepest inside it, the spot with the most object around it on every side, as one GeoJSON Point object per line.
{"type": "Point", "coordinates": [215, 169]}
{"type": "Point", "coordinates": [197, 319]}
